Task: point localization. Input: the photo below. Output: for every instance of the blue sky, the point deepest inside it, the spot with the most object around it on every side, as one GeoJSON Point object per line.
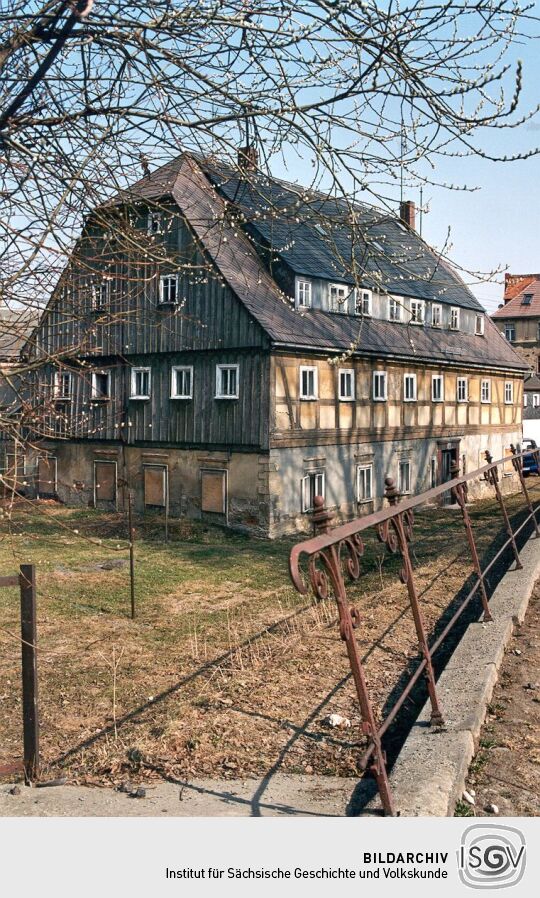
{"type": "Point", "coordinates": [499, 224]}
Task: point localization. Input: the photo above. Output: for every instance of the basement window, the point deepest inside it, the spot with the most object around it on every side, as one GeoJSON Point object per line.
{"type": "Point", "coordinates": [140, 383]}
{"type": "Point", "coordinates": [313, 484]}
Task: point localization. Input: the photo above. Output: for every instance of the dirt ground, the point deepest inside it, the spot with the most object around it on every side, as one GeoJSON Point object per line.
{"type": "Point", "coordinates": [506, 770]}
{"type": "Point", "coordinates": [226, 671]}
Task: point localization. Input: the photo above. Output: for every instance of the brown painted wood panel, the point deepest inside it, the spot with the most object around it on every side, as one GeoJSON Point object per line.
{"type": "Point", "coordinates": [155, 485]}
{"type": "Point", "coordinates": [213, 491]}
{"type": "Point", "coordinates": [105, 481]}
{"type": "Point", "coordinates": [46, 479]}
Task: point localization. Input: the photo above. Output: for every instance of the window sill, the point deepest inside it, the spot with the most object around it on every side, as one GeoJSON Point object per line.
{"type": "Point", "coordinates": [140, 398]}
{"type": "Point", "coordinates": [346, 399]}
{"type": "Point", "coordinates": [226, 397]}
{"type": "Point", "coordinates": [183, 397]}
{"type": "Point", "coordinates": [100, 399]}
{"type": "Point", "coordinates": [437, 400]}
{"type": "Point", "coordinates": [379, 399]}
{"type": "Point", "coordinates": [308, 398]}
{"type": "Point", "coordinates": [410, 400]}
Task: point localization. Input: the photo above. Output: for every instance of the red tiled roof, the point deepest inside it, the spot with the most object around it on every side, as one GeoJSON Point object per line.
{"type": "Point", "coordinates": [515, 283]}
{"type": "Point", "coordinates": [515, 308]}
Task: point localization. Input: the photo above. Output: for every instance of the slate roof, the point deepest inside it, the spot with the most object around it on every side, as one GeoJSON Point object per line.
{"type": "Point", "coordinates": [515, 308]}
{"type": "Point", "coordinates": [15, 327]}
{"type": "Point", "coordinates": [310, 232]}
{"type": "Point", "coordinates": [532, 383]}
{"type": "Point", "coordinates": [242, 268]}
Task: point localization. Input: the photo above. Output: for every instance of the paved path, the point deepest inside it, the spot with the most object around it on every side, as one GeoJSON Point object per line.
{"type": "Point", "coordinates": [282, 796]}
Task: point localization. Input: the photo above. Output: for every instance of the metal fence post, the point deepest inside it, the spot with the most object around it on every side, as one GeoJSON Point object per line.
{"type": "Point", "coordinates": [492, 476]}
{"type": "Point", "coordinates": [517, 461]}
{"type": "Point", "coordinates": [27, 581]}
{"type": "Point", "coordinates": [131, 554]}
{"type": "Point", "coordinates": [460, 495]}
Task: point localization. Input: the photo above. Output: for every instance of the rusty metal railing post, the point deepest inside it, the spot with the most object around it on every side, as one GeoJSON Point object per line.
{"type": "Point", "coordinates": [349, 619]}
{"type": "Point", "coordinates": [517, 462]}
{"type": "Point", "coordinates": [27, 579]}
{"type": "Point", "coordinates": [398, 540]}
{"type": "Point", "coordinates": [460, 494]}
{"type": "Point", "coordinates": [492, 476]}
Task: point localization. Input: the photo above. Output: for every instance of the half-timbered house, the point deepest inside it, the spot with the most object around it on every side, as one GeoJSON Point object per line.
{"type": "Point", "coordinates": [249, 344]}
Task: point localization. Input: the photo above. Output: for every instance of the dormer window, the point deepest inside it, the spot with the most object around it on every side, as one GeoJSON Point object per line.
{"type": "Point", "coordinates": [303, 294]}
{"type": "Point", "coordinates": [339, 294]}
{"type": "Point", "coordinates": [168, 289]}
{"type": "Point", "coordinates": [454, 318]}
{"type": "Point", "coordinates": [527, 299]}
{"type": "Point", "coordinates": [395, 305]}
{"type": "Point", "coordinates": [363, 302]}
{"type": "Point", "coordinates": [436, 315]}
{"type": "Point", "coordinates": [479, 326]}
{"type": "Point", "coordinates": [418, 311]}
{"type": "Point", "coordinates": [155, 222]}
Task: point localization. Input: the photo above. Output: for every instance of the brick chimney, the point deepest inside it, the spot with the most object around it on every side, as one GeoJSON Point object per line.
{"type": "Point", "coordinates": [407, 213]}
{"type": "Point", "coordinates": [248, 158]}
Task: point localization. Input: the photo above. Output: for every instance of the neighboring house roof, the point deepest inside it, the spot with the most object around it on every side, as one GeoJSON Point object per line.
{"type": "Point", "coordinates": [531, 413]}
{"type": "Point", "coordinates": [515, 283]}
{"type": "Point", "coordinates": [515, 308]}
{"type": "Point", "coordinates": [532, 384]}
{"type": "Point", "coordinates": [310, 233]}
{"type": "Point", "coordinates": [15, 326]}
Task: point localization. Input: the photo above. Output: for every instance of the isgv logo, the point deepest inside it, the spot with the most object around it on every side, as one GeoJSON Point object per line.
{"type": "Point", "coordinates": [491, 856]}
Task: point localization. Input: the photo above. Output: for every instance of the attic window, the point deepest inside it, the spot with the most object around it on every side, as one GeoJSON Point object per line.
{"type": "Point", "coordinates": [168, 289]}
{"type": "Point", "coordinates": [155, 222]}
{"type": "Point", "coordinates": [363, 302]}
{"type": "Point", "coordinates": [479, 326]}
{"type": "Point", "coordinates": [527, 299]}
{"type": "Point", "coordinates": [339, 294]}
{"type": "Point", "coordinates": [319, 228]}
{"type": "Point", "coordinates": [303, 294]}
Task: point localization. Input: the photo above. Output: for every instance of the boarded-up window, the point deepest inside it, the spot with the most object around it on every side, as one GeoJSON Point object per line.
{"type": "Point", "coordinates": [155, 485]}
{"type": "Point", "coordinates": [105, 481]}
{"type": "Point", "coordinates": [46, 479]}
{"type": "Point", "coordinates": [214, 491]}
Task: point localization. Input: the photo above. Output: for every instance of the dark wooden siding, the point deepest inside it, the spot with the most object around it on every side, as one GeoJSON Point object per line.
{"type": "Point", "coordinates": [200, 421]}
{"type": "Point", "coordinates": [209, 316]}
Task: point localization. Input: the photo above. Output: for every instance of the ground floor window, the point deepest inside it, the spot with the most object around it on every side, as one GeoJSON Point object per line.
{"type": "Point", "coordinates": [155, 485]}
{"type": "Point", "coordinates": [404, 476]}
{"type": "Point", "coordinates": [364, 483]}
{"type": "Point", "coordinates": [313, 484]}
{"type": "Point", "coordinates": [104, 482]}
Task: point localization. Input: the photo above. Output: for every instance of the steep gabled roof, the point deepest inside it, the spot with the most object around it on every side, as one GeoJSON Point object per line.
{"type": "Point", "coordinates": [312, 233]}
{"type": "Point", "coordinates": [516, 308]}
{"type": "Point", "coordinates": [238, 262]}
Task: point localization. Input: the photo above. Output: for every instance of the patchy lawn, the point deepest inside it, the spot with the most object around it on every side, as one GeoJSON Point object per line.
{"type": "Point", "coordinates": [226, 669]}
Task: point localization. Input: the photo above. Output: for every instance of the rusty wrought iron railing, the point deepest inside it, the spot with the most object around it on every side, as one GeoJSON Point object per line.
{"type": "Point", "coordinates": [334, 556]}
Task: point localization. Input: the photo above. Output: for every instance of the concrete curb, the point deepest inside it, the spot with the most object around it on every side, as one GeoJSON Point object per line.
{"type": "Point", "coordinates": [429, 774]}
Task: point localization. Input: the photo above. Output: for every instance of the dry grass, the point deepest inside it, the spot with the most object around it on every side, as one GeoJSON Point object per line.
{"type": "Point", "coordinates": [226, 669]}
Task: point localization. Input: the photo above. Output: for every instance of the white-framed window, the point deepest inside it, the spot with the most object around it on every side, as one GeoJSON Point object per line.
{"type": "Point", "coordinates": [436, 315]}
{"type": "Point", "coordinates": [395, 305]}
{"type": "Point", "coordinates": [508, 392]}
{"type": "Point", "coordinates": [409, 387]}
{"type": "Point", "coordinates": [364, 483]}
{"type": "Point", "coordinates": [63, 384]}
{"type": "Point", "coordinates": [100, 292]}
{"type": "Point", "coordinates": [454, 318]}
{"type": "Point", "coordinates": [479, 325]}
{"type": "Point", "coordinates": [154, 222]}
{"type": "Point", "coordinates": [182, 382]}
{"type": "Point", "coordinates": [363, 302]}
{"type": "Point", "coordinates": [308, 382]}
{"type": "Point", "coordinates": [313, 484]}
{"type": "Point", "coordinates": [536, 400]}
{"type": "Point", "coordinates": [339, 295]}
{"type": "Point", "coordinates": [101, 385]}
{"type": "Point", "coordinates": [168, 289]}
{"type": "Point", "coordinates": [346, 384]}
{"type": "Point", "coordinates": [227, 377]}
{"type": "Point", "coordinates": [437, 387]}
{"type": "Point", "coordinates": [510, 332]}
{"type": "Point", "coordinates": [485, 391]}
{"type": "Point", "coordinates": [380, 381]}
{"type": "Point", "coordinates": [404, 476]}
{"type": "Point", "coordinates": [141, 383]}
{"type": "Point", "coordinates": [303, 293]}
{"type": "Point", "coordinates": [418, 311]}
{"type": "Point", "coordinates": [524, 400]}
{"type": "Point", "coordinates": [462, 389]}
